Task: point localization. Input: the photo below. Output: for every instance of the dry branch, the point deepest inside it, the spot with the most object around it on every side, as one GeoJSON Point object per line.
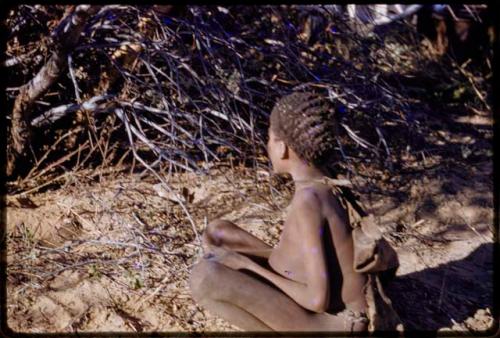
{"type": "Point", "coordinates": [66, 36]}
{"type": "Point", "coordinates": [56, 113]}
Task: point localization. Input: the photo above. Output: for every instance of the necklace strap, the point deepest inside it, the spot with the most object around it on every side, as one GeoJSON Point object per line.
{"type": "Point", "coordinates": [330, 181]}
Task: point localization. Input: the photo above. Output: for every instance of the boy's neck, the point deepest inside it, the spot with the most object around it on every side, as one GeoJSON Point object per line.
{"type": "Point", "coordinates": [303, 173]}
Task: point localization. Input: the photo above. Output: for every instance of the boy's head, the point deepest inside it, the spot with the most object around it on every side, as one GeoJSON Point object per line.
{"type": "Point", "coordinates": [301, 128]}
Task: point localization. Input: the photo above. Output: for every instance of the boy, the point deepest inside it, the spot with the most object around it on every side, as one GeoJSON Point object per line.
{"type": "Point", "coordinates": [307, 282]}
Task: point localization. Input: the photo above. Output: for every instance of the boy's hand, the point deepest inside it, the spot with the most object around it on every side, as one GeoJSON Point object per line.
{"type": "Point", "coordinates": [231, 259]}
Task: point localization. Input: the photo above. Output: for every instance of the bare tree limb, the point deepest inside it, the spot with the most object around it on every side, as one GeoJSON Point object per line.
{"type": "Point", "coordinates": [66, 36]}
{"type": "Point", "coordinates": [56, 113]}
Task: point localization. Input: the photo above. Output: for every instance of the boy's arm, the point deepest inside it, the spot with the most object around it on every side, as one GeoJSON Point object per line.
{"type": "Point", "coordinates": [240, 241]}
{"type": "Point", "coordinates": [264, 253]}
{"type": "Point", "coordinates": [314, 295]}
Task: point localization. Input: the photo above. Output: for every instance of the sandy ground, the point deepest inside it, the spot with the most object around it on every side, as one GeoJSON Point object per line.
{"type": "Point", "coordinates": [115, 255]}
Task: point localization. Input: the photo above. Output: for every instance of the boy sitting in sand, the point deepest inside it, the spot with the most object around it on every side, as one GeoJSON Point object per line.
{"type": "Point", "coordinates": [307, 282]}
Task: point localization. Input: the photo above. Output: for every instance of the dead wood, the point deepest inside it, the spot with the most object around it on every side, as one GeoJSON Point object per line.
{"type": "Point", "coordinates": [66, 36]}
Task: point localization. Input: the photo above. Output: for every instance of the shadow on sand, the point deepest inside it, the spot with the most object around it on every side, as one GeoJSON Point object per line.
{"type": "Point", "coordinates": [433, 298]}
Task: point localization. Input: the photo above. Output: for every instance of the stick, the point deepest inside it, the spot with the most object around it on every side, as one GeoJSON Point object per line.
{"type": "Point", "coordinates": [120, 114]}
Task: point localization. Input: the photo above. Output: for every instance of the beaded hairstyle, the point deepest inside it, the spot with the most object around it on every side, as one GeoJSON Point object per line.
{"type": "Point", "coordinates": [305, 121]}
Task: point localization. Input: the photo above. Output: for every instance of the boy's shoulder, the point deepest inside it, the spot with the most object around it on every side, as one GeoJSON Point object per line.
{"type": "Point", "coordinates": [320, 196]}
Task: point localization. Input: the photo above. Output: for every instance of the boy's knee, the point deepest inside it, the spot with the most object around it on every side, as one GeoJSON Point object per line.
{"type": "Point", "coordinates": [214, 233]}
{"type": "Point", "coordinates": [201, 279]}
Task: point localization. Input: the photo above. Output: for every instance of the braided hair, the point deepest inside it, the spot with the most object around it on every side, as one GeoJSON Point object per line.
{"type": "Point", "coordinates": [305, 121]}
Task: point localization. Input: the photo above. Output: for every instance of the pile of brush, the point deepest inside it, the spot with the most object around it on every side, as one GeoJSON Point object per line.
{"type": "Point", "coordinates": [181, 88]}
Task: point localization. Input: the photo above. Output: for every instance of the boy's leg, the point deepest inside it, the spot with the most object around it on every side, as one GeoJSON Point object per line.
{"type": "Point", "coordinates": [230, 312]}
{"type": "Point", "coordinates": [260, 304]}
{"type": "Point", "coordinates": [234, 315]}
{"type": "Point", "coordinates": [231, 237]}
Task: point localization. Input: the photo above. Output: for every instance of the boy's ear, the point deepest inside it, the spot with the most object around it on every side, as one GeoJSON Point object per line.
{"type": "Point", "coordinates": [283, 150]}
